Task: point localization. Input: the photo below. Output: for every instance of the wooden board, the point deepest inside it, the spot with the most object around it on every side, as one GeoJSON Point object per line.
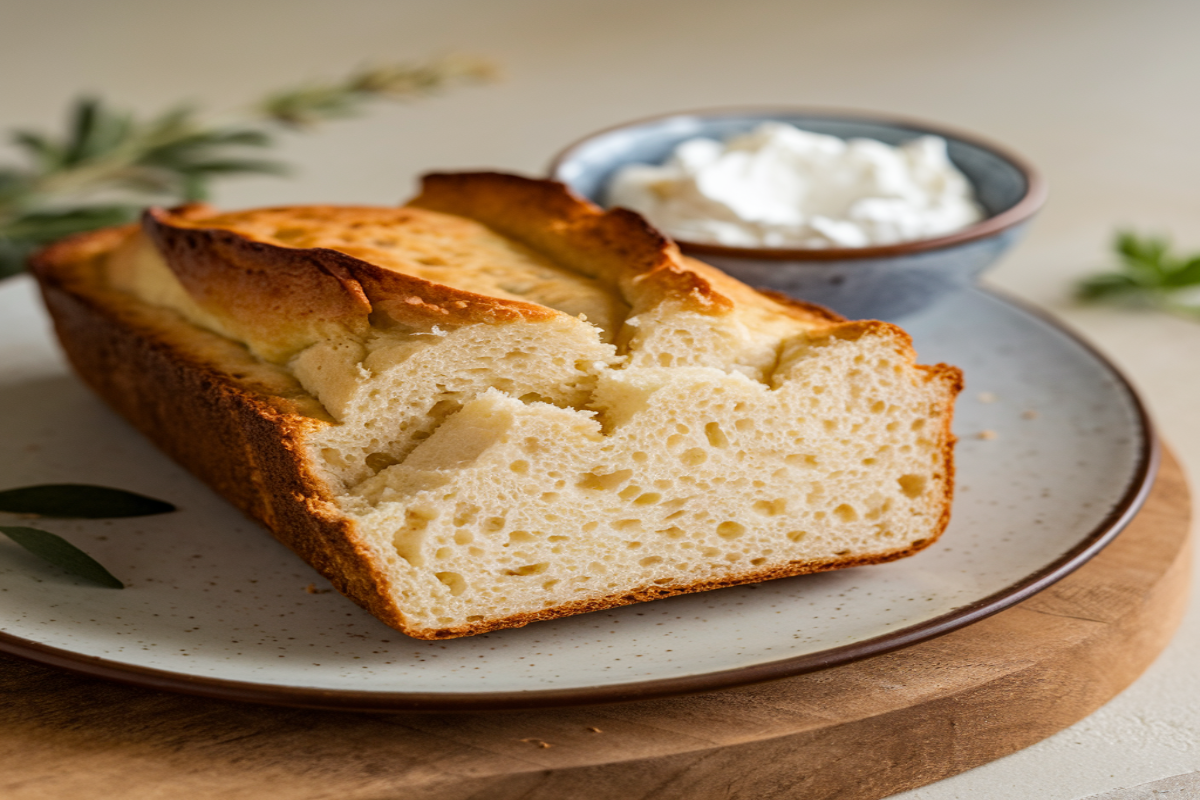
{"type": "Point", "coordinates": [865, 730]}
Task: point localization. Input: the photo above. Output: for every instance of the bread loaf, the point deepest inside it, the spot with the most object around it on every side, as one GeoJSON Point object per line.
{"type": "Point", "coordinates": [500, 404]}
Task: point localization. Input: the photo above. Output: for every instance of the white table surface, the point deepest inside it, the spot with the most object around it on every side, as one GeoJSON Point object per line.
{"type": "Point", "coordinates": [1101, 95]}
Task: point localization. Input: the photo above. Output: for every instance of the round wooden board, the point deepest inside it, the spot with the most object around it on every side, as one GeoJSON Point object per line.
{"type": "Point", "coordinates": [864, 730]}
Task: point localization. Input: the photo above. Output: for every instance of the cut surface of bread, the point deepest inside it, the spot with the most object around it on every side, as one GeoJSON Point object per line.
{"type": "Point", "coordinates": [500, 404]}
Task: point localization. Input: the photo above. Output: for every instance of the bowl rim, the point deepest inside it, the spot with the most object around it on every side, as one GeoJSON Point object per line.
{"type": "Point", "coordinates": [1036, 188]}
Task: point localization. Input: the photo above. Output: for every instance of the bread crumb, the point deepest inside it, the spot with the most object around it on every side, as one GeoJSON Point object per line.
{"type": "Point", "coordinates": [537, 742]}
{"type": "Point", "coordinates": [594, 729]}
{"type": "Point", "coordinates": [1030, 414]}
{"type": "Point", "coordinates": [986, 397]}
{"type": "Point", "coordinates": [988, 435]}
{"type": "Point", "coordinates": [312, 589]}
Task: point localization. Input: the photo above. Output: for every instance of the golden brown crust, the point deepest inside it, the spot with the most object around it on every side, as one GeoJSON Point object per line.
{"type": "Point", "coordinates": [281, 299]}
{"type": "Point", "coordinates": [617, 245]}
{"type": "Point", "coordinates": [257, 273]}
{"type": "Point", "coordinates": [291, 298]}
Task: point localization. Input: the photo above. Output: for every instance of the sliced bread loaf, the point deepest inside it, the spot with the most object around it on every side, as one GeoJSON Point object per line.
{"type": "Point", "coordinates": [500, 404]}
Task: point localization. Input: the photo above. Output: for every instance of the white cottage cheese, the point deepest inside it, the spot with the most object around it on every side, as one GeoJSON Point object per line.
{"type": "Point", "coordinates": [779, 186]}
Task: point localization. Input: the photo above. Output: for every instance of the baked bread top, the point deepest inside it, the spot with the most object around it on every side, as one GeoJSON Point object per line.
{"type": "Point", "coordinates": [512, 405]}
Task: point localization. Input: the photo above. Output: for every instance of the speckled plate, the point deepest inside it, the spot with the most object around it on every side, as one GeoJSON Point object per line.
{"type": "Point", "coordinates": [1056, 456]}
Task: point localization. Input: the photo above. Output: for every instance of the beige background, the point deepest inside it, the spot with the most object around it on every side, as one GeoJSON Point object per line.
{"type": "Point", "coordinates": [1102, 95]}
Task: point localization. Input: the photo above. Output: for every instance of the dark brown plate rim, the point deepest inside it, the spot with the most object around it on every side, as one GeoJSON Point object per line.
{"type": "Point", "coordinates": [365, 701]}
{"type": "Point", "coordinates": [1036, 188]}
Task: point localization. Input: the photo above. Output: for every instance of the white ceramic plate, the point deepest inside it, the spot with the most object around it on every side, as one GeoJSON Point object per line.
{"type": "Point", "coordinates": [215, 606]}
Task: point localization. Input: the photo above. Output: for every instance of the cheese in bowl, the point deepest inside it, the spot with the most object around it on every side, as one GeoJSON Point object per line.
{"type": "Point", "coordinates": [779, 186]}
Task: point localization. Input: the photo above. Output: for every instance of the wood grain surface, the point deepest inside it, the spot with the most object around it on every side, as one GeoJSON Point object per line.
{"type": "Point", "coordinates": [864, 730]}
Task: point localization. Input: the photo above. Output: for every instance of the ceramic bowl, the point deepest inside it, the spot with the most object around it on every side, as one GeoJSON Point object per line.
{"type": "Point", "coordinates": [882, 282]}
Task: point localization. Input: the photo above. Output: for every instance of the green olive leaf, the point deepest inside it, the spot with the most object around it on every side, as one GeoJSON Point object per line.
{"type": "Point", "coordinates": [108, 161]}
{"type": "Point", "coordinates": [79, 501]}
{"type": "Point", "coordinates": [1148, 274]}
{"type": "Point", "coordinates": [61, 553]}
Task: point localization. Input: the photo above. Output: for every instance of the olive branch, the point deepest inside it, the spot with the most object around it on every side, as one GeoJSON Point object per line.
{"type": "Point", "coordinates": [1148, 274]}
{"type": "Point", "coordinates": [107, 164]}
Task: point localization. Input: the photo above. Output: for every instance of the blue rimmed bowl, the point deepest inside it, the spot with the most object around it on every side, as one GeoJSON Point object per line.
{"type": "Point", "coordinates": [883, 282]}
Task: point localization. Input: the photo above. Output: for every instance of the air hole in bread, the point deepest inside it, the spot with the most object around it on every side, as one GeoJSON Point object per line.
{"type": "Point", "coordinates": [650, 561]}
{"type": "Point", "coordinates": [604, 482]}
{"type": "Point", "coordinates": [845, 513]}
{"type": "Point", "coordinates": [519, 537]}
{"type": "Point", "coordinates": [647, 499]}
{"type": "Point", "coordinates": [519, 467]}
{"type": "Point", "coordinates": [694, 457]}
{"type": "Point", "coordinates": [771, 508]}
{"type": "Point", "coordinates": [535, 397]}
{"type": "Point", "coordinates": [881, 508]}
{"type": "Point", "coordinates": [465, 514]}
{"type": "Point", "coordinates": [456, 582]}
{"type": "Point", "coordinates": [716, 436]}
{"type": "Point", "coordinates": [407, 541]}
{"type": "Point", "coordinates": [530, 569]}
{"type": "Point", "coordinates": [912, 485]}
{"type": "Point", "coordinates": [377, 462]}
{"type": "Point", "coordinates": [730, 529]}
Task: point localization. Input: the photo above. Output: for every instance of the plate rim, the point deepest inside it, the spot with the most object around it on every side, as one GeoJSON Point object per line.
{"type": "Point", "coordinates": [358, 700]}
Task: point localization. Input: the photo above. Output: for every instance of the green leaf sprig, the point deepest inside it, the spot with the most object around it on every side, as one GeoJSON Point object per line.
{"type": "Point", "coordinates": [61, 553]}
{"type": "Point", "coordinates": [79, 501]}
{"type": "Point", "coordinates": [72, 501]}
{"type": "Point", "coordinates": [108, 163]}
{"type": "Point", "coordinates": [1149, 274]}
